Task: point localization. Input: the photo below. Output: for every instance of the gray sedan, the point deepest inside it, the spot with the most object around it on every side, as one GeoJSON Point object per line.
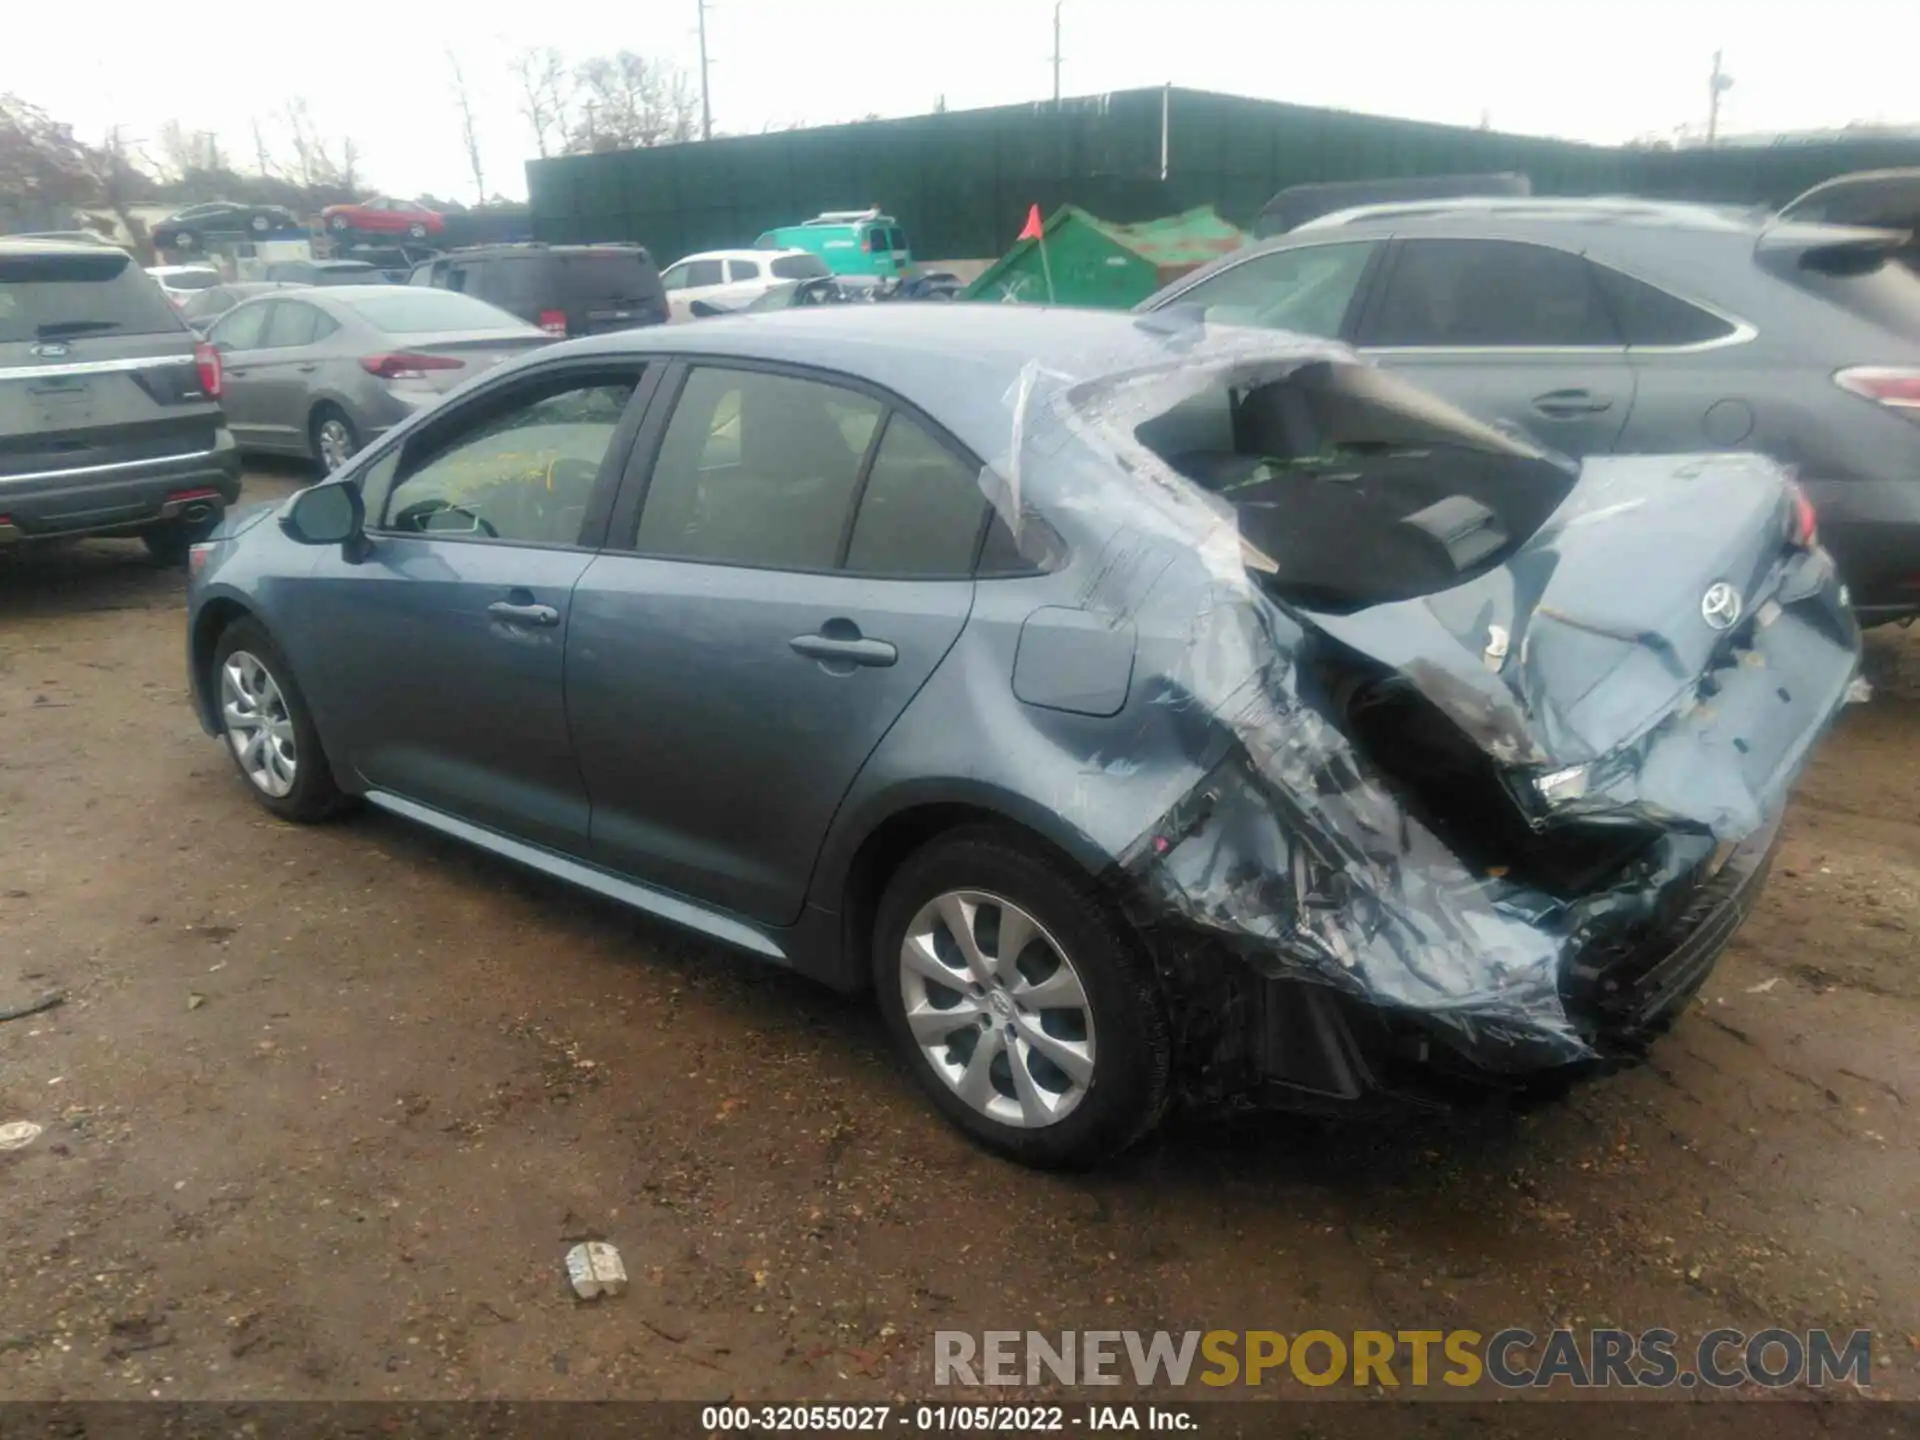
{"type": "Point", "coordinates": [1143, 712]}
{"type": "Point", "coordinates": [320, 372]}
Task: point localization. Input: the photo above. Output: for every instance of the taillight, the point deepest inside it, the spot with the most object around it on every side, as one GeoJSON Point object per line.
{"type": "Point", "coordinates": [554, 322]}
{"type": "Point", "coordinates": [404, 365]}
{"type": "Point", "coordinates": [1897, 386]}
{"type": "Point", "coordinates": [1803, 528]}
{"type": "Point", "coordinates": [211, 379]}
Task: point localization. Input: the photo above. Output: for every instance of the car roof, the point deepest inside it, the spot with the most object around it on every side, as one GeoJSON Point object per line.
{"type": "Point", "coordinates": [28, 245]}
{"type": "Point", "coordinates": [957, 362]}
{"type": "Point", "coordinates": [1605, 210]}
{"type": "Point", "coordinates": [740, 254]}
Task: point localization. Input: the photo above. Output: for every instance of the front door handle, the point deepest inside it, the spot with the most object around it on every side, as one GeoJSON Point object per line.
{"type": "Point", "coordinates": [524, 614]}
{"type": "Point", "coordinates": [308, 369]}
{"type": "Point", "coordinates": [831, 648]}
{"type": "Point", "coordinates": [1566, 404]}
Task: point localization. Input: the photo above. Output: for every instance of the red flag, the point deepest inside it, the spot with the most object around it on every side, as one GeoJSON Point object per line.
{"type": "Point", "coordinates": [1036, 228]}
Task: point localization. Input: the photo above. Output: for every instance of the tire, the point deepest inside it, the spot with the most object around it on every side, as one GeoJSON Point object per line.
{"type": "Point", "coordinates": [417, 231]}
{"type": "Point", "coordinates": [339, 224]}
{"type": "Point", "coordinates": [259, 224]}
{"type": "Point", "coordinates": [327, 431]}
{"type": "Point", "coordinates": [1110, 1026]}
{"type": "Point", "coordinates": [169, 541]}
{"type": "Point", "coordinates": [301, 786]}
{"type": "Point", "coordinates": [185, 240]}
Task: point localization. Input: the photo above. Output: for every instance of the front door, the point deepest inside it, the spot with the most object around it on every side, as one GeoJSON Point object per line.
{"type": "Point", "coordinates": [444, 644]}
{"type": "Point", "coordinates": [1508, 331]}
{"type": "Point", "coordinates": [728, 677]}
{"type": "Point", "coordinates": [238, 336]}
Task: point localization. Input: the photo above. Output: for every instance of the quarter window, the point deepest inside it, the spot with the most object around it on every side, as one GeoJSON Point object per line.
{"type": "Point", "coordinates": [757, 469]}
{"type": "Point", "coordinates": [1648, 315]}
{"type": "Point", "coordinates": [520, 475]}
{"type": "Point", "coordinates": [1489, 293]}
{"type": "Point", "coordinates": [921, 510]}
{"type": "Point", "coordinates": [1307, 289]}
{"type": "Point", "coordinates": [742, 270]}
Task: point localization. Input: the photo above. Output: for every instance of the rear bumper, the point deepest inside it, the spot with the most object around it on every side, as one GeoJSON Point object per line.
{"type": "Point", "coordinates": [1296, 1044]}
{"type": "Point", "coordinates": [118, 499]}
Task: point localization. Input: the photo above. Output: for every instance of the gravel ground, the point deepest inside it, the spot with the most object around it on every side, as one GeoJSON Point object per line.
{"type": "Point", "coordinates": [324, 1108]}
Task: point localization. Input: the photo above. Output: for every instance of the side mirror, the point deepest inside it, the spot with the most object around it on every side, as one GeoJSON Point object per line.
{"type": "Point", "coordinates": [330, 514]}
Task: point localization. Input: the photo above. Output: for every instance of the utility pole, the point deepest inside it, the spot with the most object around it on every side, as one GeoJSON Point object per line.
{"type": "Point", "coordinates": [1056, 54]}
{"type": "Point", "coordinates": [706, 107]}
{"type": "Point", "coordinates": [1716, 87]}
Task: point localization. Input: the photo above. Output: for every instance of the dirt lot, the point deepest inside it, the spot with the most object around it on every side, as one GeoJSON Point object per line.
{"type": "Point", "coordinates": [324, 1108]}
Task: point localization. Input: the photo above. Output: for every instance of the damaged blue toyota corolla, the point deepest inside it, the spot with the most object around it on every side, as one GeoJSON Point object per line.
{"type": "Point", "coordinates": [1149, 713]}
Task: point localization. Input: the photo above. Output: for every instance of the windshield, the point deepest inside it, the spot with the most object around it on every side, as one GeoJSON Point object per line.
{"type": "Point", "coordinates": [49, 297]}
{"type": "Point", "coordinates": [406, 311]}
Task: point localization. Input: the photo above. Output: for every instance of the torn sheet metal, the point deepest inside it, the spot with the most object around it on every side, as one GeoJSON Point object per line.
{"type": "Point", "coordinates": [1581, 667]}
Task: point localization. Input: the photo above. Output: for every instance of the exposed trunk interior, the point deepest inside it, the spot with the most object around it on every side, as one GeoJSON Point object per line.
{"type": "Point", "coordinates": [1357, 488]}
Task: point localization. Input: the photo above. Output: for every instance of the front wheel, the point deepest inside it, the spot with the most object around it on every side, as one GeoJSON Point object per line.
{"type": "Point", "coordinates": [184, 240]}
{"type": "Point", "coordinates": [339, 224]}
{"type": "Point", "coordinates": [417, 230]}
{"type": "Point", "coordinates": [268, 728]}
{"type": "Point", "coordinates": [1021, 1001]}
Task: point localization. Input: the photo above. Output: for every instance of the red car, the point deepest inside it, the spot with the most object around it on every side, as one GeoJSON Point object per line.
{"type": "Point", "coordinates": [383, 215]}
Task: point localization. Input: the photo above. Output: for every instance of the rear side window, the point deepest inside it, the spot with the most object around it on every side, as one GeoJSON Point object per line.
{"type": "Point", "coordinates": [921, 511]}
{"type": "Point", "coordinates": [240, 329]}
{"type": "Point", "coordinates": [1307, 290]}
{"type": "Point", "coordinates": [757, 469]}
{"type": "Point", "coordinates": [702, 272]}
{"type": "Point", "coordinates": [1473, 294]}
{"type": "Point", "coordinates": [738, 270]}
{"type": "Point", "coordinates": [800, 267]}
{"type": "Point", "coordinates": [1648, 315]}
{"type": "Point", "coordinates": [58, 297]}
{"type": "Point", "coordinates": [291, 323]}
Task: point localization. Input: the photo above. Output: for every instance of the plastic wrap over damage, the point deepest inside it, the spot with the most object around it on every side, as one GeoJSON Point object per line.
{"type": "Point", "coordinates": [1619, 748]}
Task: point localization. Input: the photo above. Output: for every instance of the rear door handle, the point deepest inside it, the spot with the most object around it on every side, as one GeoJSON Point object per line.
{"type": "Point", "coordinates": [308, 369]}
{"type": "Point", "coordinates": [524, 614]}
{"type": "Point", "coordinates": [1562, 404]}
{"type": "Point", "coordinates": [857, 652]}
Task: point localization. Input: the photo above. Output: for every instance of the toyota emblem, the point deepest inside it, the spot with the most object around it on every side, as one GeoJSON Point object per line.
{"type": "Point", "coordinates": [1720, 606]}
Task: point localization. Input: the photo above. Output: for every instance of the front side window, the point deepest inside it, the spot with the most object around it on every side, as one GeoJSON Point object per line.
{"type": "Point", "coordinates": [921, 510]}
{"type": "Point", "coordinates": [1475, 294]}
{"type": "Point", "coordinates": [757, 469]}
{"type": "Point", "coordinates": [1307, 290]}
{"type": "Point", "coordinates": [522, 475]}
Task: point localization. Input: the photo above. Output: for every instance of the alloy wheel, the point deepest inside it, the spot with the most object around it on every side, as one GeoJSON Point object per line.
{"type": "Point", "coordinates": [336, 443]}
{"type": "Point", "coordinates": [997, 1008]}
{"type": "Point", "coordinates": [258, 725]}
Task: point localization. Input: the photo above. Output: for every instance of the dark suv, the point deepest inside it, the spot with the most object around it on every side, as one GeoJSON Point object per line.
{"type": "Point", "coordinates": [110, 420]}
{"type": "Point", "coordinates": [564, 289]}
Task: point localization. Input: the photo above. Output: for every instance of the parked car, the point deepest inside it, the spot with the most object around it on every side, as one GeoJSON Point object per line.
{"type": "Point", "coordinates": [320, 372]}
{"type": "Point", "coordinates": [1142, 714]}
{"type": "Point", "coordinates": [204, 307]}
{"type": "Point", "coordinates": [180, 282]}
{"type": "Point", "coordinates": [564, 289]}
{"type": "Point", "coordinates": [394, 262]}
{"type": "Point", "coordinates": [324, 272]}
{"type": "Point", "coordinates": [383, 215]}
{"type": "Point", "coordinates": [852, 242]}
{"type": "Point", "coordinates": [733, 279]}
{"type": "Point", "coordinates": [1632, 327]}
{"type": "Point", "coordinates": [110, 419]}
{"type": "Point", "coordinates": [191, 228]}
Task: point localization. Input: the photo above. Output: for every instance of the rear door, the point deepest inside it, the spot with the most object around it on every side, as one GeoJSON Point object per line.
{"type": "Point", "coordinates": [281, 370]}
{"type": "Point", "coordinates": [780, 581]}
{"type": "Point", "coordinates": [238, 335]}
{"type": "Point", "coordinates": [96, 369]}
{"type": "Point", "coordinates": [1510, 331]}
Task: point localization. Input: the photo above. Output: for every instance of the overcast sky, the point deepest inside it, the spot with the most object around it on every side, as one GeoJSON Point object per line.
{"type": "Point", "coordinates": [1594, 71]}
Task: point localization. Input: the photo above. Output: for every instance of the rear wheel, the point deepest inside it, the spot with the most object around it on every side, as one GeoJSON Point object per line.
{"type": "Point", "coordinates": [335, 440]}
{"type": "Point", "coordinates": [185, 240]}
{"type": "Point", "coordinates": [1020, 1000]}
{"type": "Point", "coordinates": [417, 230]}
{"type": "Point", "coordinates": [169, 541]}
{"type": "Point", "coordinates": [268, 728]}
{"type": "Point", "coordinates": [339, 224]}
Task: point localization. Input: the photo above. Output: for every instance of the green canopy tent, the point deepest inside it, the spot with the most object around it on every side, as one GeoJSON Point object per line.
{"type": "Point", "coordinates": [1092, 262]}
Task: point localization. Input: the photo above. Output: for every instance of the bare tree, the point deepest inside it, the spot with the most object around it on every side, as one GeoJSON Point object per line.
{"type": "Point", "coordinates": [317, 166]}
{"type": "Point", "coordinates": [118, 180]}
{"type": "Point", "coordinates": [634, 102]}
{"type": "Point", "coordinates": [468, 136]}
{"type": "Point", "coordinates": [546, 97]}
{"type": "Point", "coordinates": [263, 162]}
{"type": "Point", "coordinates": [41, 161]}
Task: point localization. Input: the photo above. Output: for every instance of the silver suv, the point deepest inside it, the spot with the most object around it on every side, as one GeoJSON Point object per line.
{"type": "Point", "coordinates": [1632, 327]}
